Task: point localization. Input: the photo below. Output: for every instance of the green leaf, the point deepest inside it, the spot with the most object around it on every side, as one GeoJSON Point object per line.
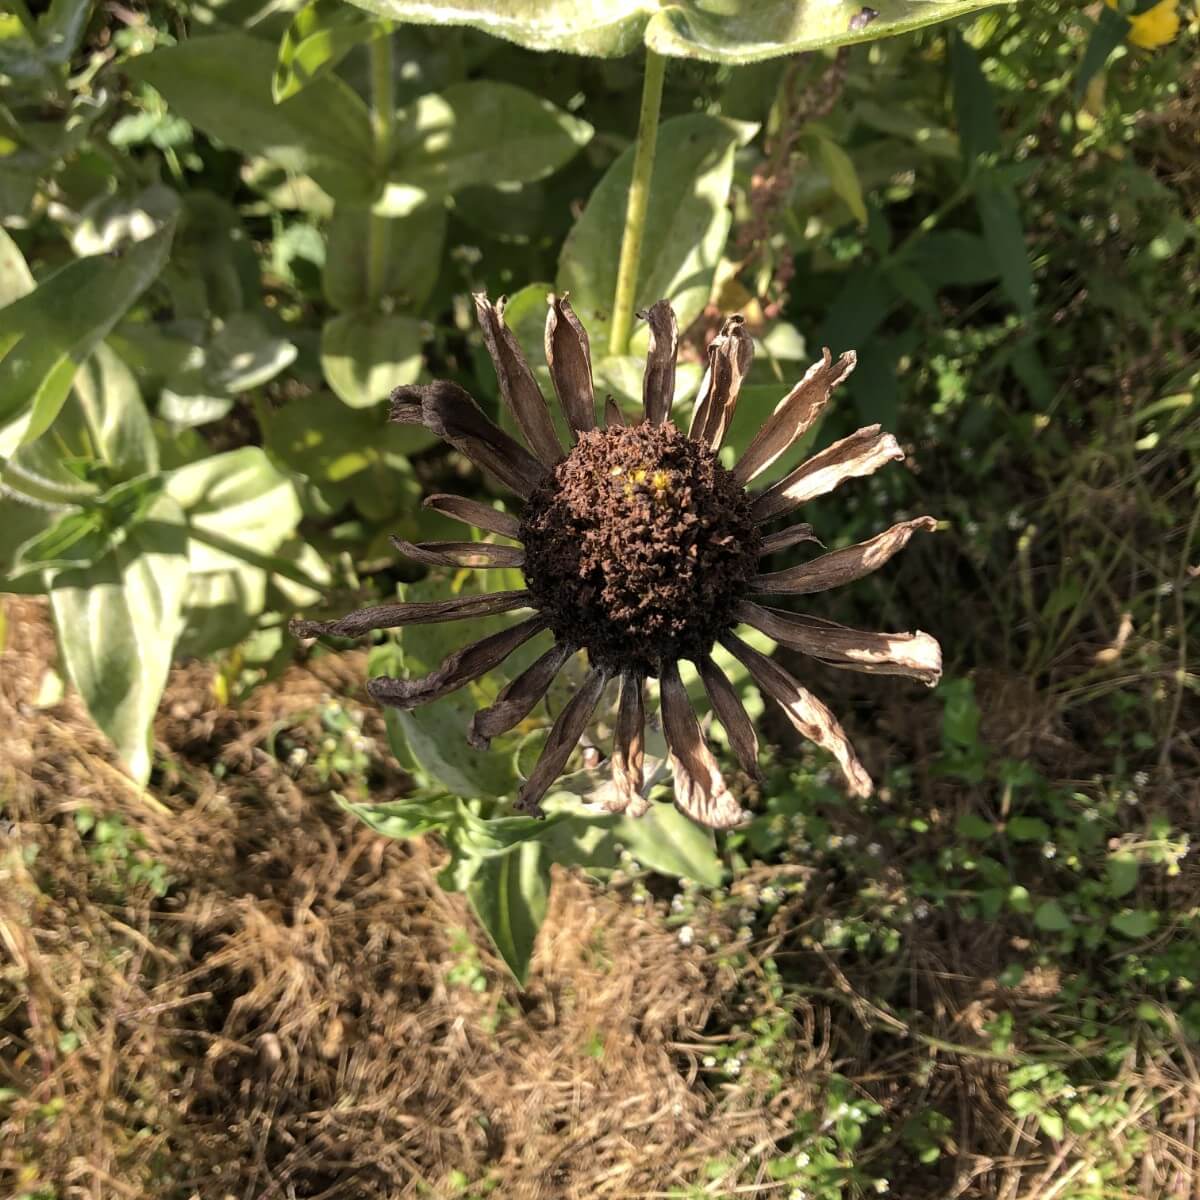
{"type": "Point", "coordinates": [727, 32]}
{"type": "Point", "coordinates": [1028, 829]}
{"type": "Point", "coordinates": [843, 176]}
{"type": "Point", "coordinates": [16, 279]}
{"type": "Point", "coordinates": [220, 608]}
{"type": "Point", "coordinates": [1110, 31]}
{"type": "Point", "coordinates": [974, 107]}
{"type": "Point", "coordinates": [476, 133]}
{"type": "Point", "coordinates": [46, 335]}
{"type": "Point", "coordinates": [1135, 922]}
{"type": "Point", "coordinates": [238, 506]}
{"type": "Point", "coordinates": [508, 894]}
{"type": "Point", "coordinates": [366, 355]}
{"type": "Point", "coordinates": [1049, 915]}
{"type": "Point", "coordinates": [671, 844]}
{"type": "Point", "coordinates": [1000, 216]}
{"type": "Point", "coordinates": [686, 225]}
{"type": "Point", "coordinates": [221, 83]}
{"type": "Point", "coordinates": [115, 424]}
{"type": "Point", "coordinates": [971, 825]}
{"type": "Point", "coordinates": [413, 257]}
{"type": "Point", "coordinates": [1122, 873]}
{"type": "Point", "coordinates": [117, 623]}
{"type": "Point", "coordinates": [321, 34]}
{"type": "Point", "coordinates": [407, 818]}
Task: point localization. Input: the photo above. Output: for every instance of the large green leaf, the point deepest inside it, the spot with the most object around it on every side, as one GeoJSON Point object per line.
{"type": "Point", "coordinates": [508, 894]}
{"type": "Point", "coordinates": [221, 83]}
{"type": "Point", "coordinates": [480, 132]}
{"type": "Point", "coordinates": [366, 355]}
{"type": "Point", "coordinates": [321, 34]}
{"type": "Point", "coordinates": [239, 508]}
{"type": "Point", "coordinates": [731, 31]}
{"type": "Point", "coordinates": [686, 225]}
{"type": "Point", "coordinates": [16, 280]}
{"type": "Point", "coordinates": [117, 622]}
{"type": "Point", "coordinates": [46, 335]}
{"type": "Point", "coordinates": [668, 842]}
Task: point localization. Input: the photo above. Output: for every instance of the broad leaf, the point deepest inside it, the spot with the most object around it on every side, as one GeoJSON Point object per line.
{"type": "Point", "coordinates": [46, 335]}
{"type": "Point", "coordinates": [728, 32]}
{"type": "Point", "coordinates": [686, 226]}
{"type": "Point", "coordinates": [321, 34]}
{"type": "Point", "coordinates": [508, 894]}
{"type": "Point", "coordinates": [117, 623]}
{"type": "Point", "coordinates": [668, 842]}
{"type": "Point", "coordinates": [16, 279]}
{"type": "Point", "coordinates": [221, 83]}
{"type": "Point", "coordinates": [366, 355]}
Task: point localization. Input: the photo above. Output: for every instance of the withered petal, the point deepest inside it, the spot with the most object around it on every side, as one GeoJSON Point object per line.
{"type": "Point", "coordinates": [840, 567]}
{"type": "Point", "coordinates": [445, 409]}
{"type": "Point", "coordinates": [419, 612]}
{"type": "Point", "coordinates": [472, 512]}
{"type": "Point", "coordinates": [457, 670]}
{"type": "Point", "coordinates": [564, 736]}
{"type": "Point", "coordinates": [862, 453]}
{"type": "Point", "coordinates": [614, 418]}
{"type": "Point", "coordinates": [460, 554]}
{"type": "Point", "coordinates": [732, 715]}
{"type": "Point", "coordinates": [700, 791]}
{"type": "Point", "coordinates": [658, 382]}
{"type": "Point", "coordinates": [810, 717]}
{"type": "Point", "coordinates": [629, 750]}
{"type": "Point", "coordinates": [518, 697]}
{"type": "Point", "coordinates": [794, 415]}
{"type": "Point", "coordinates": [518, 388]}
{"type": "Point", "coordinates": [729, 359]}
{"type": "Point", "coordinates": [569, 357]}
{"type": "Point", "coordinates": [915, 655]}
{"type": "Point", "coordinates": [791, 536]}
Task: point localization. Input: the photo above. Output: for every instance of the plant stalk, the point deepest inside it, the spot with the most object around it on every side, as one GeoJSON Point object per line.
{"type": "Point", "coordinates": [639, 203]}
{"type": "Point", "coordinates": [383, 124]}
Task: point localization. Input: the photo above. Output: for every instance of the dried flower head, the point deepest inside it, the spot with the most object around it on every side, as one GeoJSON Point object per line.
{"type": "Point", "coordinates": [639, 548]}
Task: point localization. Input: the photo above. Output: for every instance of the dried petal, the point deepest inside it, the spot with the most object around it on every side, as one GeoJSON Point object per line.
{"type": "Point", "coordinates": [518, 388]}
{"type": "Point", "coordinates": [458, 669]}
{"type": "Point", "coordinates": [447, 410]}
{"type": "Point", "coordinates": [614, 418]}
{"type": "Point", "coordinates": [916, 655]}
{"type": "Point", "coordinates": [732, 715]}
{"type": "Point", "coordinates": [700, 792]}
{"type": "Point", "coordinates": [563, 738]}
{"type": "Point", "coordinates": [421, 612]}
{"type": "Point", "coordinates": [518, 698]}
{"type": "Point", "coordinates": [729, 359]}
{"type": "Point", "coordinates": [810, 717]}
{"type": "Point", "coordinates": [658, 383]}
{"type": "Point", "coordinates": [791, 536]}
{"type": "Point", "coordinates": [839, 567]}
{"type": "Point", "coordinates": [629, 751]}
{"type": "Point", "coordinates": [794, 415]}
{"type": "Point", "coordinates": [862, 453]}
{"type": "Point", "coordinates": [569, 358]}
{"type": "Point", "coordinates": [472, 512]}
{"type": "Point", "coordinates": [479, 555]}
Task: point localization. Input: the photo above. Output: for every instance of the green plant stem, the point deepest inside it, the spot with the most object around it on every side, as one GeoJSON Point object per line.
{"type": "Point", "coordinates": [639, 202]}
{"type": "Point", "coordinates": [383, 123]}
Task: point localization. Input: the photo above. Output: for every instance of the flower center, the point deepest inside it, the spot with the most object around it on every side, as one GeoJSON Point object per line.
{"type": "Point", "coordinates": [638, 547]}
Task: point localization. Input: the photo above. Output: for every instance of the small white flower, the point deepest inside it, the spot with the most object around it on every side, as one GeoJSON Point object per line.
{"type": "Point", "coordinates": [1166, 588]}
{"type": "Point", "coordinates": [797, 1193]}
{"type": "Point", "coordinates": [802, 1159]}
{"type": "Point", "coordinates": [1049, 850]}
{"type": "Point", "coordinates": [874, 849]}
{"type": "Point", "coordinates": [1090, 814]}
{"type": "Point", "coordinates": [686, 935]}
{"type": "Point", "coordinates": [709, 1061]}
{"type": "Point", "coordinates": [851, 841]}
{"type": "Point", "coordinates": [734, 1066]}
{"type": "Point", "coordinates": [677, 903]}
{"type": "Point", "coordinates": [1130, 797]}
{"type": "Point", "coordinates": [921, 911]}
{"type": "Point", "coordinates": [881, 1186]}
{"type": "Point", "coordinates": [1141, 778]}
{"type": "Point", "coordinates": [297, 758]}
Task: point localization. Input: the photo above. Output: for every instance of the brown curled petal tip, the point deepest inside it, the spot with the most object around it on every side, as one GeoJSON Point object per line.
{"type": "Point", "coordinates": [614, 418]}
{"type": "Point", "coordinates": [457, 670]}
{"type": "Point", "coordinates": [447, 410]}
{"type": "Point", "coordinates": [729, 360]}
{"type": "Point", "coordinates": [422, 612]}
{"type": "Point", "coordinates": [856, 456]}
{"type": "Point", "coordinates": [518, 698]}
{"type": "Point", "coordinates": [472, 512]}
{"type": "Point", "coordinates": [564, 736]}
{"type": "Point", "coordinates": [810, 717]}
{"type": "Point", "coordinates": [658, 382]}
{"type": "Point", "coordinates": [840, 567]}
{"type": "Point", "coordinates": [792, 536]}
{"type": "Point", "coordinates": [629, 750]}
{"type": "Point", "coordinates": [700, 790]}
{"type": "Point", "coordinates": [794, 415]}
{"type": "Point", "coordinates": [569, 357]}
{"type": "Point", "coordinates": [460, 554]}
{"type": "Point", "coordinates": [518, 387]}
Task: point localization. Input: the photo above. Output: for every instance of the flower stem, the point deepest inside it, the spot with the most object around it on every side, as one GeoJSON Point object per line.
{"type": "Point", "coordinates": [383, 122]}
{"type": "Point", "coordinates": [639, 202]}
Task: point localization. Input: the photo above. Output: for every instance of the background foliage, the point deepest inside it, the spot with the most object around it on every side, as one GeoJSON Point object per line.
{"type": "Point", "coordinates": [230, 229]}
